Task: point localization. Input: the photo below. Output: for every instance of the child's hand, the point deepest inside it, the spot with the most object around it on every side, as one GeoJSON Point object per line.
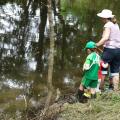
{"type": "Point", "coordinates": [86, 67]}
{"type": "Point", "coordinates": [105, 65]}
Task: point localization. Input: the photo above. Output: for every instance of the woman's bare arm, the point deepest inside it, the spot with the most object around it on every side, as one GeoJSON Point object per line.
{"type": "Point", "coordinates": [106, 34]}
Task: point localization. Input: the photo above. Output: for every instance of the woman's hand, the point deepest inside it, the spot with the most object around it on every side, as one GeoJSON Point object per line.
{"type": "Point", "coordinates": [97, 45]}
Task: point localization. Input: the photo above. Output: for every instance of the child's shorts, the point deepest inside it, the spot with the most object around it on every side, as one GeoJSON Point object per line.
{"type": "Point", "coordinates": [104, 71]}
{"type": "Point", "coordinates": [89, 83]}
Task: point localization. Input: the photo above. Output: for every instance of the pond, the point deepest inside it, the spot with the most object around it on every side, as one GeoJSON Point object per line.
{"type": "Point", "coordinates": [24, 47]}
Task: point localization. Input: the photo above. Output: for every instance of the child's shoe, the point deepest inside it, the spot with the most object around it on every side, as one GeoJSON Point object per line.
{"type": "Point", "coordinates": [87, 95]}
{"type": "Point", "coordinates": [79, 94]}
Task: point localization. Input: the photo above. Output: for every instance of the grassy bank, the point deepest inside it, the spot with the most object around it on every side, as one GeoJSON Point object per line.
{"type": "Point", "coordinates": [105, 107]}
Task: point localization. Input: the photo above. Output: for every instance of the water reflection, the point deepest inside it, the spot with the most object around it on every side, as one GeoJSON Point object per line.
{"type": "Point", "coordinates": [9, 15]}
{"type": "Point", "coordinates": [24, 52]}
{"type": "Point", "coordinates": [11, 84]}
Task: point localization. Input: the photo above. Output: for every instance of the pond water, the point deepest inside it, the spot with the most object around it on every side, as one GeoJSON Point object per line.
{"type": "Point", "coordinates": [24, 46]}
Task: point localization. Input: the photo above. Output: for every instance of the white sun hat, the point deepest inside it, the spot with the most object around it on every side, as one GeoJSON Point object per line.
{"type": "Point", "coordinates": [106, 14]}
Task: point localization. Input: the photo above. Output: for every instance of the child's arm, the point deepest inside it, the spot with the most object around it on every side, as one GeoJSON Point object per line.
{"type": "Point", "coordinates": [86, 65]}
{"type": "Point", "coordinates": [104, 65]}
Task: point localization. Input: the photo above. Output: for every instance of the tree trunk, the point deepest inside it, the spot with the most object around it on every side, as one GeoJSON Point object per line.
{"type": "Point", "coordinates": [50, 59]}
{"type": "Point", "coordinates": [51, 53]}
{"type": "Point", "coordinates": [43, 20]}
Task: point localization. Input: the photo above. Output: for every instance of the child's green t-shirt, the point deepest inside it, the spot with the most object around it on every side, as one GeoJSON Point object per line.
{"type": "Point", "coordinates": [93, 60]}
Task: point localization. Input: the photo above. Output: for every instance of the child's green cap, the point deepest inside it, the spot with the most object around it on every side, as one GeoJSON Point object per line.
{"type": "Point", "coordinates": [90, 45]}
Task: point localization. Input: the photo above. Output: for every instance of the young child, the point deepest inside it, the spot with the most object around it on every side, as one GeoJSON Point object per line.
{"type": "Point", "coordinates": [101, 76]}
{"type": "Point", "coordinates": [101, 73]}
{"type": "Point", "coordinates": [90, 68]}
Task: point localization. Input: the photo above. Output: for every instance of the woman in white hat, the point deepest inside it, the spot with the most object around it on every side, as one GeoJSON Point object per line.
{"type": "Point", "coordinates": [111, 42]}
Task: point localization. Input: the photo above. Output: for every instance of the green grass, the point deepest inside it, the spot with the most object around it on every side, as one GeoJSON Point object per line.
{"type": "Point", "coordinates": [105, 107]}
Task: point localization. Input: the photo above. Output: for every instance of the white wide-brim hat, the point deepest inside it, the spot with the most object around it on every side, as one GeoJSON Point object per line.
{"type": "Point", "coordinates": [106, 14]}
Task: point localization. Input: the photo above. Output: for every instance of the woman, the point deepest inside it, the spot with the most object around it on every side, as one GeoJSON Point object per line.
{"type": "Point", "coordinates": [111, 42]}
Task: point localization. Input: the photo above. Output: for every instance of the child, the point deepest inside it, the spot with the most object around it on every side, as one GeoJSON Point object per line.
{"type": "Point", "coordinates": [101, 76]}
{"type": "Point", "coordinates": [101, 73]}
{"type": "Point", "coordinates": [90, 68]}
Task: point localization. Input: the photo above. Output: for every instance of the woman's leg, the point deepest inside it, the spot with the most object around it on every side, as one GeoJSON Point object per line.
{"type": "Point", "coordinates": [116, 82]}
{"type": "Point", "coordinates": [114, 69]}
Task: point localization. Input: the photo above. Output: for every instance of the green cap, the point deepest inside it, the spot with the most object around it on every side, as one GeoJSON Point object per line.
{"type": "Point", "coordinates": [90, 44]}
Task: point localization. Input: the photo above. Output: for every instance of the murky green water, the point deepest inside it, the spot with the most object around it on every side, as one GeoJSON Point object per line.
{"type": "Point", "coordinates": [24, 47]}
